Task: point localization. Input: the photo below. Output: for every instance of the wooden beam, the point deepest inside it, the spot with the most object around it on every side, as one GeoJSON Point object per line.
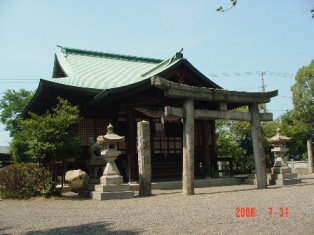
{"type": "Point", "coordinates": [176, 90]}
{"type": "Point", "coordinates": [214, 114]}
{"type": "Point", "coordinates": [205, 147]}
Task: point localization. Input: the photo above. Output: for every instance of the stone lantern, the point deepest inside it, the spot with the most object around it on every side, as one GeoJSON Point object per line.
{"type": "Point", "coordinates": [281, 172]}
{"type": "Point", "coordinates": [111, 182]}
{"type": "Point", "coordinates": [111, 173]}
{"type": "Point", "coordinates": [279, 142]}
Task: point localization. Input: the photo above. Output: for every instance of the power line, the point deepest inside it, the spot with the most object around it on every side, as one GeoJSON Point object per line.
{"type": "Point", "coordinates": [19, 80]}
{"type": "Point", "coordinates": [241, 74]}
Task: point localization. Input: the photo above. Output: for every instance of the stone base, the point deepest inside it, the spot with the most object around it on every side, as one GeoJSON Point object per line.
{"type": "Point", "coordinates": [281, 170]}
{"type": "Point", "coordinates": [169, 185]}
{"type": "Point", "coordinates": [111, 188]}
{"type": "Point", "coordinates": [284, 181]}
{"type": "Point", "coordinates": [112, 195]}
{"type": "Point", "coordinates": [108, 180]}
{"type": "Point", "coordinates": [276, 179]}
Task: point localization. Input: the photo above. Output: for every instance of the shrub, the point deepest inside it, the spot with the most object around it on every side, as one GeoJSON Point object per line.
{"type": "Point", "coordinates": [24, 180]}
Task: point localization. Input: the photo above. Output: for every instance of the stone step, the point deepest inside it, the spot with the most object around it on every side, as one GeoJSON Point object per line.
{"type": "Point", "coordinates": [284, 181]}
{"type": "Point", "coordinates": [101, 196]}
{"type": "Point", "coordinates": [276, 179]}
{"type": "Point", "coordinates": [250, 181]}
{"type": "Point", "coordinates": [282, 176]}
{"type": "Point", "coordinates": [197, 183]}
{"type": "Point", "coordinates": [111, 188]}
{"type": "Point", "coordinates": [251, 176]}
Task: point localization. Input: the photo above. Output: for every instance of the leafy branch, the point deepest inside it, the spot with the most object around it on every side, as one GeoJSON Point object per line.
{"type": "Point", "coordinates": [233, 2]}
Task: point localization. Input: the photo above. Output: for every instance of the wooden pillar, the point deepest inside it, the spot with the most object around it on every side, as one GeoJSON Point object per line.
{"type": "Point", "coordinates": [205, 138]}
{"type": "Point", "coordinates": [258, 147]}
{"type": "Point", "coordinates": [131, 145]}
{"type": "Point", "coordinates": [213, 158]}
{"type": "Point", "coordinates": [188, 147]}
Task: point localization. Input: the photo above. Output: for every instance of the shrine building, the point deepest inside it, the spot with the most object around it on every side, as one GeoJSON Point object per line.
{"type": "Point", "coordinates": [123, 90]}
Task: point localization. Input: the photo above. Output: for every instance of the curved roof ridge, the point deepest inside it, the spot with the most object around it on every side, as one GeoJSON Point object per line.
{"type": "Point", "coordinates": [64, 64]}
{"type": "Point", "coordinates": [165, 63]}
{"type": "Point", "coordinates": [67, 50]}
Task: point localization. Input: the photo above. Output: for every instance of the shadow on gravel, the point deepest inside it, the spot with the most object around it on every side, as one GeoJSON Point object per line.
{"type": "Point", "coordinates": [230, 191]}
{"type": "Point", "coordinates": [92, 228]}
{"type": "Point", "coordinates": [2, 231]}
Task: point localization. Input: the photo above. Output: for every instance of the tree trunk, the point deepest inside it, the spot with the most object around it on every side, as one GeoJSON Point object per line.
{"type": "Point", "coordinates": [310, 155]}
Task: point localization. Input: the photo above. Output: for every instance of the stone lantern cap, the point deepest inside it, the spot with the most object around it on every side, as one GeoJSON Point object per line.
{"type": "Point", "coordinates": [278, 138]}
{"type": "Point", "coordinates": [111, 137]}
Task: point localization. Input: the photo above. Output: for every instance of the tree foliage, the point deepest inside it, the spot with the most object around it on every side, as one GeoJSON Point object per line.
{"type": "Point", "coordinates": [293, 128]}
{"type": "Point", "coordinates": [234, 140]}
{"type": "Point", "coordinates": [12, 104]}
{"type": "Point", "coordinates": [303, 102]}
{"type": "Point", "coordinates": [303, 97]}
{"type": "Point", "coordinates": [50, 137]}
{"type": "Point", "coordinates": [24, 180]}
{"type": "Point", "coordinates": [233, 4]}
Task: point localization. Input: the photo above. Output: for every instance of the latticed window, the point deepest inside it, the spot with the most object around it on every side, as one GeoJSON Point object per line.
{"type": "Point", "coordinates": [92, 127]}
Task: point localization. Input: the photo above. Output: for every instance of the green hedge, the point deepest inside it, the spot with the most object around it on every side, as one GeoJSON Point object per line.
{"type": "Point", "coordinates": [24, 180]}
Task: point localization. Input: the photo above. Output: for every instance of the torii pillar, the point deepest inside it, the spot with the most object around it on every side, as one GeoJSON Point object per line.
{"type": "Point", "coordinates": [258, 146]}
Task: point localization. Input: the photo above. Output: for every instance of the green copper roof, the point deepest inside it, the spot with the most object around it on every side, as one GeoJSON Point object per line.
{"type": "Point", "coordinates": [92, 76]}
{"type": "Point", "coordinates": [99, 70]}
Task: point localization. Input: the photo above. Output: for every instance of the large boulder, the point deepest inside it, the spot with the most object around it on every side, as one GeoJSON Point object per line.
{"type": "Point", "coordinates": [77, 179]}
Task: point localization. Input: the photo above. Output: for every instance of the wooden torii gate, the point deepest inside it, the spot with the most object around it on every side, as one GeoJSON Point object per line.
{"type": "Point", "coordinates": [223, 97]}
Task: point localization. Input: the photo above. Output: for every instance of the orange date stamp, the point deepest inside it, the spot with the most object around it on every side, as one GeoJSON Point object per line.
{"type": "Point", "coordinates": [251, 212]}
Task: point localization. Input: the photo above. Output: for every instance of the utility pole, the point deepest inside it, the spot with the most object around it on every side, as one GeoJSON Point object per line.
{"type": "Point", "coordinates": [262, 77]}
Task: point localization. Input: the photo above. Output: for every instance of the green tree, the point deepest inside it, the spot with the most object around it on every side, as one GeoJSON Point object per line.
{"type": "Point", "coordinates": [234, 140]}
{"type": "Point", "coordinates": [303, 105]}
{"type": "Point", "coordinates": [297, 131]}
{"type": "Point", "coordinates": [48, 138]}
{"type": "Point", "coordinates": [12, 104]}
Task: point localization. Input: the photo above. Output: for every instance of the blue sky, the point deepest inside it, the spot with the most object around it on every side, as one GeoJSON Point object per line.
{"type": "Point", "coordinates": [230, 48]}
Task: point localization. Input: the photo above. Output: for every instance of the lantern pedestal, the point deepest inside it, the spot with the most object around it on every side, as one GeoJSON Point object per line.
{"type": "Point", "coordinates": [280, 166]}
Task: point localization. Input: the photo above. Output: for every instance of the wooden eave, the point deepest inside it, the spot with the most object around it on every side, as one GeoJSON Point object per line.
{"type": "Point", "coordinates": [47, 92]}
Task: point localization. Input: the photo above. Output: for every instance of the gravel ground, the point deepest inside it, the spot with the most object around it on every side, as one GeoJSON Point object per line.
{"type": "Point", "coordinates": [210, 211]}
